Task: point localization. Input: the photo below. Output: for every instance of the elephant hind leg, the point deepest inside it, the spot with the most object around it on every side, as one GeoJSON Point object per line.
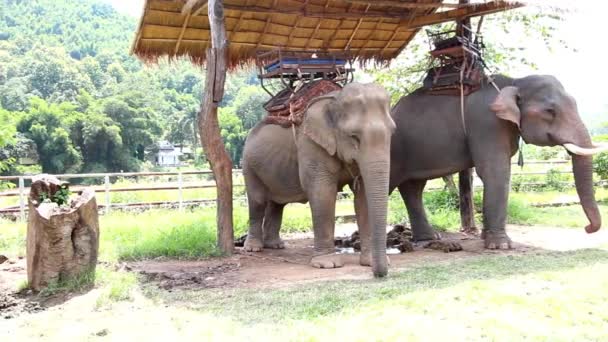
{"type": "Point", "coordinates": [411, 193]}
{"type": "Point", "coordinates": [257, 203]}
{"type": "Point", "coordinates": [272, 224]}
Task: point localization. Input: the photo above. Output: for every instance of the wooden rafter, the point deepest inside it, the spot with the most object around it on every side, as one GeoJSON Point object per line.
{"type": "Point", "coordinates": [238, 22]}
{"type": "Point", "coordinates": [174, 15]}
{"type": "Point", "coordinates": [326, 45]}
{"type": "Point", "coordinates": [295, 25]}
{"type": "Point", "coordinates": [371, 33]}
{"type": "Point", "coordinates": [350, 39]}
{"type": "Point", "coordinates": [316, 27]}
{"type": "Point", "coordinates": [140, 27]}
{"type": "Point", "coordinates": [181, 33]}
{"type": "Point", "coordinates": [268, 21]}
{"type": "Point", "coordinates": [193, 6]}
{"type": "Point", "coordinates": [469, 11]}
{"type": "Point", "coordinates": [313, 14]}
{"type": "Point", "coordinates": [206, 41]}
{"type": "Point", "coordinates": [402, 4]}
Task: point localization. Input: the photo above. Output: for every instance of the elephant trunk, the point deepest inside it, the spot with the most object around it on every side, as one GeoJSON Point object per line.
{"type": "Point", "coordinates": [375, 176]}
{"type": "Point", "coordinates": [582, 167]}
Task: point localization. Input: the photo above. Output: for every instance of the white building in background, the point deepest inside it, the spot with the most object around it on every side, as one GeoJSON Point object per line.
{"type": "Point", "coordinates": [167, 155]}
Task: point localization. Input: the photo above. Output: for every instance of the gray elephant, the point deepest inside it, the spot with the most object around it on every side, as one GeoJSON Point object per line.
{"type": "Point", "coordinates": [344, 139]}
{"type": "Point", "coordinates": [432, 141]}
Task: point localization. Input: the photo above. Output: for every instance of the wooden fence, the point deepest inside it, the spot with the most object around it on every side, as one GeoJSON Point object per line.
{"type": "Point", "coordinates": [179, 185]}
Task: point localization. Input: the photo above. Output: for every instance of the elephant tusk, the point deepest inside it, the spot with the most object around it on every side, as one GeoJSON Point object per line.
{"type": "Point", "coordinates": [582, 151]}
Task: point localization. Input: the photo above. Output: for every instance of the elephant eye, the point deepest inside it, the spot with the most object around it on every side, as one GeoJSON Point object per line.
{"type": "Point", "coordinates": [551, 111]}
{"type": "Point", "coordinates": [355, 138]}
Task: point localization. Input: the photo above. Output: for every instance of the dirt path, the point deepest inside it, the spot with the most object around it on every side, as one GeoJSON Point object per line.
{"type": "Point", "coordinates": [279, 268]}
{"type": "Point", "coordinates": [288, 267]}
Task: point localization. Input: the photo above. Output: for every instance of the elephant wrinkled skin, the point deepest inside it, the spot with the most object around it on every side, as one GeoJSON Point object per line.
{"type": "Point", "coordinates": [344, 139]}
{"type": "Point", "coordinates": [430, 141]}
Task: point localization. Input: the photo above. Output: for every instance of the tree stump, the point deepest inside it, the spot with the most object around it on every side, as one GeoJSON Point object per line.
{"type": "Point", "coordinates": [62, 234]}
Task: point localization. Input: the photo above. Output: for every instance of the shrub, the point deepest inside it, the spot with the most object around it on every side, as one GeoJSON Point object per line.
{"type": "Point", "coordinates": [600, 165]}
{"type": "Point", "coordinates": [441, 200]}
{"type": "Point", "coordinates": [554, 180]}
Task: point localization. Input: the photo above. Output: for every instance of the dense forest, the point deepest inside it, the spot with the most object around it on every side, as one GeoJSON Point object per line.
{"type": "Point", "coordinates": [69, 87]}
{"type": "Point", "coordinates": [71, 94]}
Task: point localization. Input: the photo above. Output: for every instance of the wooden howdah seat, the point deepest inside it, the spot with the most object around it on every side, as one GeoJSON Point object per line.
{"type": "Point", "coordinates": [303, 76]}
{"type": "Point", "coordinates": [456, 64]}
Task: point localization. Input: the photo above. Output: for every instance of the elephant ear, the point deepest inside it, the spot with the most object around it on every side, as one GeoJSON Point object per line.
{"type": "Point", "coordinates": [505, 106]}
{"type": "Point", "coordinates": [318, 123]}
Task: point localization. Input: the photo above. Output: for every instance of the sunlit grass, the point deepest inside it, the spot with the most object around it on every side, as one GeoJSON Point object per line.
{"type": "Point", "coordinates": [554, 296]}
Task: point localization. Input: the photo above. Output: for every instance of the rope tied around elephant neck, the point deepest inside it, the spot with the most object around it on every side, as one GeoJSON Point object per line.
{"type": "Point", "coordinates": [292, 117]}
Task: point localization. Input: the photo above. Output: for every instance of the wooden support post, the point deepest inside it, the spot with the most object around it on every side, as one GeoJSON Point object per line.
{"type": "Point", "coordinates": [21, 199]}
{"type": "Point", "coordinates": [180, 194]}
{"type": "Point", "coordinates": [106, 180]}
{"type": "Point", "coordinates": [467, 209]}
{"type": "Point", "coordinates": [209, 129]}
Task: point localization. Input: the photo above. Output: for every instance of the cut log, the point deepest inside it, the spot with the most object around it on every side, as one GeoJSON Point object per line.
{"type": "Point", "coordinates": [62, 240]}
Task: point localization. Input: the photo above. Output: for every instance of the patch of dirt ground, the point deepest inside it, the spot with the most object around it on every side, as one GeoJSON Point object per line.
{"type": "Point", "coordinates": [289, 266]}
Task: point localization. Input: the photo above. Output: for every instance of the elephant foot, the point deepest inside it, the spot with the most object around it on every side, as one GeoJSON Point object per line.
{"type": "Point", "coordinates": [274, 244]}
{"type": "Point", "coordinates": [496, 240]}
{"type": "Point", "coordinates": [327, 261]}
{"type": "Point", "coordinates": [444, 245]}
{"type": "Point", "coordinates": [470, 231]}
{"type": "Point", "coordinates": [365, 259]}
{"type": "Point", "coordinates": [425, 235]}
{"type": "Point", "coordinates": [253, 245]}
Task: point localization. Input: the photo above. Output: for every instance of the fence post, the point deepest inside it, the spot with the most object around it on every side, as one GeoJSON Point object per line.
{"type": "Point", "coordinates": [179, 191]}
{"type": "Point", "coordinates": [108, 203]}
{"type": "Point", "coordinates": [21, 199]}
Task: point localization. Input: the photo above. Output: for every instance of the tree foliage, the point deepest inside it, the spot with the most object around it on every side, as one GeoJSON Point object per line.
{"type": "Point", "coordinates": [69, 87]}
{"type": "Point", "coordinates": [504, 53]}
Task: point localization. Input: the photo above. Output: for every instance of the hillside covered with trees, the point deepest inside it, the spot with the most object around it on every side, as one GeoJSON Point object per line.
{"type": "Point", "coordinates": [71, 89]}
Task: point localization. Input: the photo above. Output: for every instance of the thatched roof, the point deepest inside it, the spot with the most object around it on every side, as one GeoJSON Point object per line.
{"type": "Point", "coordinates": [376, 30]}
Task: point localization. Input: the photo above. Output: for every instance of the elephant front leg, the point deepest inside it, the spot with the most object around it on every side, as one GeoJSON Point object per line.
{"type": "Point", "coordinates": [495, 197]}
{"type": "Point", "coordinates": [322, 198]}
{"type": "Point", "coordinates": [272, 226]}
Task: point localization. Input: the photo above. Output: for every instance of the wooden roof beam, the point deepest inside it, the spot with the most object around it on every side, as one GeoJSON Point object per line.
{"type": "Point", "coordinates": [314, 14]}
{"type": "Point", "coordinates": [350, 40]}
{"type": "Point", "coordinates": [181, 33]}
{"type": "Point", "coordinates": [469, 11]}
{"type": "Point", "coordinates": [405, 4]}
{"type": "Point", "coordinates": [193, 6]}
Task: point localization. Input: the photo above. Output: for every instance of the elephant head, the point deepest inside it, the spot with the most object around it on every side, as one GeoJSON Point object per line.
{"type": "Point", "coordinates": [355, 126]}
{"type": "Point", "coordinates": [546, 115]}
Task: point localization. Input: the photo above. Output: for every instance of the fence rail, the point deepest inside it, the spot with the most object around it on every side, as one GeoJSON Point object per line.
{"type": "Point", "coordinates": [179, 185]}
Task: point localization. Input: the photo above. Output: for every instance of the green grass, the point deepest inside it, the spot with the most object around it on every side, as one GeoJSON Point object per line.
{"type": "Point", "coordinates": [79, 283]}
{"type": "Point", "coordinates": [169, 233]}
{"type": "Point", "coordinates": [548, 296]}
{"type": "Point", "coordinates": [191, 234]}
{"type": "Point", "coordinates": [115, 286]}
